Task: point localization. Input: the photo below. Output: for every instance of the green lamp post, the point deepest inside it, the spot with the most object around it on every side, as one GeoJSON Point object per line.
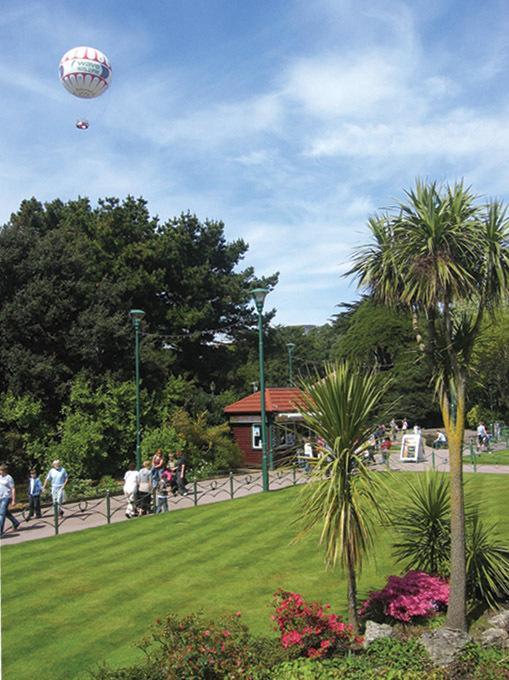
{"type": "Point", "coordinates": [136, 317]}
{"type": "Point", "coordinates": [290, 346]}
{"type": "Point", "coordinates": [259, 295]}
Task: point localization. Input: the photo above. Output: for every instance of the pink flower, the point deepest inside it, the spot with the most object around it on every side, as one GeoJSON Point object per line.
{"type": "Point", "coordinates": [291, 638]}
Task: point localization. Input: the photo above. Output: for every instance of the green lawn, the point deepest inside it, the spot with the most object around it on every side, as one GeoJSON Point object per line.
{"type": "Point", "coordinates": [495, 458]}
{"type": "Point", "coordinates": [75, 600]}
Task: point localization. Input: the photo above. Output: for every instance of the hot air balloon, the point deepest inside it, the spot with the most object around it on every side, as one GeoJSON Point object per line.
{"type": "Point", "coordinates": [85, 72]}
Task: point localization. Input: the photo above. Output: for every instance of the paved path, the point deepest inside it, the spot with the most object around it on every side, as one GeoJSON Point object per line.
{"type": "Point", "coordinates": [93, 513]}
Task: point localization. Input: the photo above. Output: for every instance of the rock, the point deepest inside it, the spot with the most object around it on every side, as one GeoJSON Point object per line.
{"type": "Point", "coordinates": [494, 637]}
{"type": "Point", "coordinates": [375, 631]}
{"type": "Point", "coordinates": [500, 620]}
{"type": "Point", "coordinates": [444, 644]}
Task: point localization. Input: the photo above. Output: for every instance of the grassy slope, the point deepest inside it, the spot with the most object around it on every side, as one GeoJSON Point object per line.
{"type": "Point", "coordinates": [74, 600]}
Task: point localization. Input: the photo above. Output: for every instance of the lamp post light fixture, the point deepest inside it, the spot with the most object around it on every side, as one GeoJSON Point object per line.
{"type": "Point", "coordinates": [136, 317]}
{"type": "Point", "coordinates": [290, 347]}
{"type": "Point", "coordinates": [259, 295]}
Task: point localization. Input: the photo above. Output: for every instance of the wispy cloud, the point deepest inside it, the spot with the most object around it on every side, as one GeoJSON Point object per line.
{"type": "Point", "coordinates": [291, 136]}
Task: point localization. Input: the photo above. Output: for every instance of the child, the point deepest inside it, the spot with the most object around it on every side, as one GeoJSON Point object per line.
{"type": "Point", "coordinates": [386, 447]}
{"type": "Point", "coordinates": [162, 494]}
{"type": "Point", "coordinates": [34, 495]}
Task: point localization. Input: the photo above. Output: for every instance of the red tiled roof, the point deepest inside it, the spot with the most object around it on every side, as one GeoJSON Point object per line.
{"type": "Point", "coordinates": [277, 400]}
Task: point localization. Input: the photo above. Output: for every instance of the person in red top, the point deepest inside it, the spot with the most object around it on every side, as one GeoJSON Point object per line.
{"type": "Point", "coordinates": [385, 448]}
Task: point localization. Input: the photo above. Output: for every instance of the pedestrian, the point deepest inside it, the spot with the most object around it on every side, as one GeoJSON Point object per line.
{"type": "Point", "coordinates": [394, 428]}
{"type": "Point", "coordinates": [181, 472]}
{"type": "Point", "coordinates": [404, 427]}
{"type": "Point", "coordinates": [157, 467]}
{"type": "Point", "coordinates": [440, 440]}
{"type": "Point", "coordinates": [144, 488]}
{"type": "Point", "coordinates": [170, 475]}
{"type": "Point", "coordinates": [385, 448]}
{"type": "Point", "coordinates": [7, 498]}
{"type": "Point", "coordinates": [131, 481]}
{"type": "Point", "coordinates": [34, 495]}
{"type": "Point", "coordinates": [482, 436]}
{"type": "Point", "coordinates": [162, 494]}
{"type": "Point", "coordinates": [58, 478]}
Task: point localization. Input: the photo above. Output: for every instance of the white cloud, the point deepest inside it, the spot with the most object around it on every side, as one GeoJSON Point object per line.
{"type": "Point", "coordinates": [458, 134]}
{"type": "Point", "coordinates": [334, 86]}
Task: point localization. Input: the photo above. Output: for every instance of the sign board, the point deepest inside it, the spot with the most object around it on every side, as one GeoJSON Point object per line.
{"type": "Point", "coordinates": [412, 448]}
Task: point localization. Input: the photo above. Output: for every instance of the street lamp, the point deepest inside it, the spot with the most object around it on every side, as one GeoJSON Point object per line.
{"type": "Point", "coordinates": [136, 317]}
{"type": "Point", "coordinates": [290, 347]}
{"type": "Point", "coordinates": [259, 295]}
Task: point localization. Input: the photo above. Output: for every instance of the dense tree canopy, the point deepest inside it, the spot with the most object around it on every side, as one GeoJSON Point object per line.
{"type": "Point", "coordinates": [71, 272]}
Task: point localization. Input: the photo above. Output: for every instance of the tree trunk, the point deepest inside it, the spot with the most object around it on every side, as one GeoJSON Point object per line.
{"type": "Point", "coordinates": [456, 611]}
{"type": "Point", "coordinates": [353, 616]}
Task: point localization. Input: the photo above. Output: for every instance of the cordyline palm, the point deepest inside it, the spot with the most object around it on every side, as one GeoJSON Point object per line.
{"type": "Point", "coordinates": [445, 259]}
{"type": "Point", "coordinates": [340, 408]}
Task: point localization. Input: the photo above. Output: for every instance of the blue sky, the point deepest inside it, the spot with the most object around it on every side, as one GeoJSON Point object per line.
{"type": "Point", "coordinates": [291, 121]}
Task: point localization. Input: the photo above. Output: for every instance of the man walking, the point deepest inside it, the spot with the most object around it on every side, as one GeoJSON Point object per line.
{"type": "Point", "coordinates": [58, 478]}
{"type": "Point", "coordinates": [7, 496]}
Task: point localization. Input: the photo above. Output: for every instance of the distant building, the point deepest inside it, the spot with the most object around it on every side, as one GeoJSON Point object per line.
{"type": "Point", "coordinates": [281, 406]}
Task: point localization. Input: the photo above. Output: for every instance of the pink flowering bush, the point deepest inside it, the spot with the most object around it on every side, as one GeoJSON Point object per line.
{"type": "Point", "coordinates": [308, 629]}
{"type": "Point", "coordinates": [408, 598]}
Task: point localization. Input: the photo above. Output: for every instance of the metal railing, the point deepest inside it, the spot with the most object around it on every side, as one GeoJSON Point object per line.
{"type": "Point", "coordinates": [228, 487]}
{"type": "Point", "coordinates": [231, 486]}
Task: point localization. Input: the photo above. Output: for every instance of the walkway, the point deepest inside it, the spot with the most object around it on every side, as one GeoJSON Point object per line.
{"type": "Point", "coordinates": [92, 513]}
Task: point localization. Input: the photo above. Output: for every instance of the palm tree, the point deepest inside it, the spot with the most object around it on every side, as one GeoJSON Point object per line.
{"type": "Point", "coordinates": [445, 259]}
{"type": "Point", "coordinates": [340, 409]}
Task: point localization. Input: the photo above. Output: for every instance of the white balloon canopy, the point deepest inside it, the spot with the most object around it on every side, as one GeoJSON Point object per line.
{"type": "Point", "coordinates": [85, 72]}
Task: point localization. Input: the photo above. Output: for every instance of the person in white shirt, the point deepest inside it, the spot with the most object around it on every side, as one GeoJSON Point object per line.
{"type": "Point", "coordinates": [131, 482]}
{"type": "Point", "coordinates": [440, 440]}
{"type": "Point", "coordinates": [58, 477]}
{"type": "Point", "coordinates": [7, 496]}
{"type": "Point", "coordinates": [482, 435]}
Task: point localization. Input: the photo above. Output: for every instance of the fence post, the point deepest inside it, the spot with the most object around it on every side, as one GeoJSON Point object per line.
{"type": "Point", "coordinates": [433, 458]}
{"type": "Point", "coordinates": [231, 485]}
{"type": "Point", "coordinates": [55, 517]}
{"type": "Point", "coordinates": [195, 492]}
{"type": "Point", "coordinates": [108, 507]}
{"type": "Point", "coordinates": [294, 474]}
{"type": "Point", "coordinates": [473, 457]}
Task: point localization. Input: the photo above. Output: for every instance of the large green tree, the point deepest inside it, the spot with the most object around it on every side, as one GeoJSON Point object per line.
{"type": "Point", "coordinates": [70, 273]}
{"type": "Point", "coordinates": [382, 339]}
{"type": "Point", "coordinates": [443, 257]}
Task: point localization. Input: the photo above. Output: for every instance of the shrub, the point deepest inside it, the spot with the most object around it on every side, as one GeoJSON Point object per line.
{"type": "Point", "coordinates": [422, 523]}
{"type": "Point", "coordinates": [108, 483]}
{"type": "Point", "coordinates": [355, 667]}
{"type": "Point", "coordinates": [398, 655]}
{"type": "Point", "coordinates": [408, 598]}
{"type": "Point", "coordinates": [487, 562]}
{"type": "Point", "coordinates": [207, 443]}
{"type": "Point", "coordinates": [80, 488]}
{"type": "Point", "coordinates": [165, 438]}
{"type": "Point", "coordinates": [309, 630]}
{"type": "Point", "coordinates": [478, 663]}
